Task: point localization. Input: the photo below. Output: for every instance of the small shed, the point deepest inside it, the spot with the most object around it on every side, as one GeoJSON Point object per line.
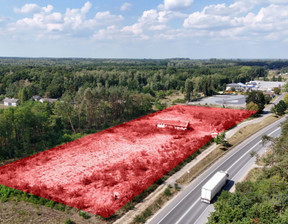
{"type": "Point", "coordinates": [11, 102]}
{"type": "Point", "coordinates": [179, 125]}
{"type": "Point", "coordinates": [37, 98]}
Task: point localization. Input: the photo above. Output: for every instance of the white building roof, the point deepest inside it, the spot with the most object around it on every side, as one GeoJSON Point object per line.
{"type": "Point", "coordinates": [9, 100]}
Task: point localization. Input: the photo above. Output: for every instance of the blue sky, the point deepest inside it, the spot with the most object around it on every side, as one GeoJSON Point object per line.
{"type": "Point", "coordinates": [144, 29]}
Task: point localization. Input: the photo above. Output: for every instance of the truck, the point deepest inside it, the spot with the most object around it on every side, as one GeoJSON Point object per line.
{"type": "Point", "coordinates": [213, 186]}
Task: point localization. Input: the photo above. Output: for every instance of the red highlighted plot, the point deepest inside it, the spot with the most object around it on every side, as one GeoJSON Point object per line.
{"type": "Point", "coordinates": [102, 172]}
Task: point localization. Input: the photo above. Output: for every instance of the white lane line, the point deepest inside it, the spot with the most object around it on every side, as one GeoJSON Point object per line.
{"type": "Point", "coordinates": [187, 211]}
{"type": "Point", "coordinates": [246, 163]}
{"type": "Point", "coordinates": [197, 186]}
{"type": "Point", "coordinates": [202, 214]}
{"type": "Point", "coordinates": [250, 150]}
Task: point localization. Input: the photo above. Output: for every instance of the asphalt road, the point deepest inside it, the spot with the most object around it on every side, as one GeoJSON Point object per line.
{"type": "Point", "coordinates": [186, 207]}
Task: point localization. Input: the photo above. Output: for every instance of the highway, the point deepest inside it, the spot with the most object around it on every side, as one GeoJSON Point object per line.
{"type": "Point", "coordinates": [186, 207]}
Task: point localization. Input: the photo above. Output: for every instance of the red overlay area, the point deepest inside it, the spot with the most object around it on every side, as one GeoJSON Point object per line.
{"type": "Point", "coordinates": [102, 172]}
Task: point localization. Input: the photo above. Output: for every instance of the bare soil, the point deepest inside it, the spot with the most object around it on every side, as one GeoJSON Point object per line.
{"type": "Point", "coordinates": [21, 212]}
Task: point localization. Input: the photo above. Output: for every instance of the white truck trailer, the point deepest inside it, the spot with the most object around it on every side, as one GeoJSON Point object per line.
{"type": "Point", "coordinates": [213, 186]}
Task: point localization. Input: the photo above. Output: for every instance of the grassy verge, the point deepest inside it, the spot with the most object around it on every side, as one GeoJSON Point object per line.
{"type": "Point", "coordinates": [168, 193]}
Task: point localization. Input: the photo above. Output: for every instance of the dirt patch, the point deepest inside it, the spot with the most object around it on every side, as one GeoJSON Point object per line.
{"type": "Point", "coordinates": [173, 97]}
{"type": "Point", "coordinates": [2, 106]}
{"type": "Point", "coordinates": [21, 212]}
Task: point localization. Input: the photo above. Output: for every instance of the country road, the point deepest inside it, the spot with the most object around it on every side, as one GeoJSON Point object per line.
{"type": "Point", "coordinates": [186, 207]}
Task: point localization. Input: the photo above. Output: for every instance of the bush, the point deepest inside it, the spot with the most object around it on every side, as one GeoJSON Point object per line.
{"type": "Point", "coordinates": [167, 192]}
{"type": "Point", "coordinates": [69, 221]}
{"type": "Point", "coordinates": [84, 215]}
{"type": "Point", "coordinates": [179, 101]}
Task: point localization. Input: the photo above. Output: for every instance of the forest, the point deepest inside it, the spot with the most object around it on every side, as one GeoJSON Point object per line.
{"type": "Point", "coordinates": [95, 94]}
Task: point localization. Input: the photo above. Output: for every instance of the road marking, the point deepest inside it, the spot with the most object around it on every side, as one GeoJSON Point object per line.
{"type": "Point", "coordinates": [187, 211]}
{"type": "Point", "coordinates": [250, 150]}
{"type": "Point", "coordinates": [203, 181]}
{"type": "Point", "coordinates": [249, 160]}
{"type": "Point", "coordinates": [202, 214]}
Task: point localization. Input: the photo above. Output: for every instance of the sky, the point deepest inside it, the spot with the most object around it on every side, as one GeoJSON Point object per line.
{"type": "Point", "coordinates": [196, 29]}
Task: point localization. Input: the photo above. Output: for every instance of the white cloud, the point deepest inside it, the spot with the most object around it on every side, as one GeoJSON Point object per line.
{"type": "Point", "coordinates": [239, 21]}
{"type": "Point", "coordinates": [86, 8]}
{"type": "Point", "coordinates": [151, 22]}
{"type": "Point", "coordinates": [278, 1]}
{"type": "Point", "coordinates": [176, 4]}
{"type": "Point", "coordinates": [107, 16]}
{"type": "Point", "coordinates": [126, 6]}
{"type": "Point", "coordinates": [273, 18]}
{"type": "Point", "coordinates": [234, 9]}
{"type": "Point", "coordinates": [200, 20]}
{"type": "Point", "coordinates": [73, 22]}
{"type": "Point", "coordinates": [28, 8]}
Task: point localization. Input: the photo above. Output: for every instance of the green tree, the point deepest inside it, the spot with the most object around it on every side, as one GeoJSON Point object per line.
{"type": "Point", "coordinates": [220, 139]}
{"type": "Point", "coordinates": [267, 99]}
{"type": "Point", "coordinates": [258, 98]}
{"type": "Point", "coordinates": [286, 98]}
{"type": "Point", "coordinates": [280, 108]}
{"type": "Point", "coordinates": [64, 110]}
{"type": "Point", "coordinates": [252, 106]}
{"type": "Point", "coordinates": [277, 90]}
{"type": "Point", "coordinates": [23, 95]}
{"type": "Point", "coordinates": [188, 89]}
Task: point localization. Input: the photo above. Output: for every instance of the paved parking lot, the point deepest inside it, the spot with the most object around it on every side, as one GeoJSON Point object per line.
{"type": "Point", "coordinates": [266, 86]}
{"type": "Point", "coordinates": [226, 100]}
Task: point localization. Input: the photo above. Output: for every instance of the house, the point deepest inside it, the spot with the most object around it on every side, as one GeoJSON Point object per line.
{"type": "Point", "coordinates": [50, 100]}
{"type": "Point", "coordinates": [241, 87]}
{"type": "Point", "coordinates": [236, 86]}
{"type": "Point", "coordinates": [179, 125]}
{"type": "Point", "coordinates": [36, 98]}
{"type": "Point", "coordinates": [11, 102]}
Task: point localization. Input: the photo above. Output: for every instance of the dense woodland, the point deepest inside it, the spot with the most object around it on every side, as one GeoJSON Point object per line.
{"type": "Point", "coordinates": [95, 94]}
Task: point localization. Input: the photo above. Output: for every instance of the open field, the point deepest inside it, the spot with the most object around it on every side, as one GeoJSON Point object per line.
{"type": "Point", "coordinates": [102, 172]}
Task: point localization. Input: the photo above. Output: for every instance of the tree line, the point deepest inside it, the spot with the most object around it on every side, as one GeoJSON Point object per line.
{"type": "Point", "coordinates": [34, 126]}
{"type": "Point", "coordinates": [52, 78]}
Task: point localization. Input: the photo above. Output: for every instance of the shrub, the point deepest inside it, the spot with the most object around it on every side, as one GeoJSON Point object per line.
{"type": "Point", "coordinates": [167, 191]}
{"type": "Point", "coordinates": [84, 215]}
{"type": "Point", "coordinates": [69, 221]}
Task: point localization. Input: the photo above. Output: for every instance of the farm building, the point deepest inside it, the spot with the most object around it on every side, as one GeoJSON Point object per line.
{"type": "Point", "coordinates": [11, 102]}
{"type": "Point", "coordinates": [179, 125]}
